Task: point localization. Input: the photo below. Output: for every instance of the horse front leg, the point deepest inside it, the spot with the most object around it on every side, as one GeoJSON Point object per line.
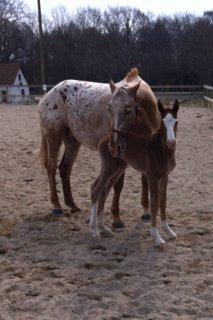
{"type": "Point", "coordinates": [112, 180]}
{"type": "Point", "coordinates": [118, 186]}
{"type": "Point", "coordinates": [145, 198]}
{"type": "Point", "coordinates": [96, 190]}
{"type": "Point", "coordinates": [99, 192]}
{"type": "Point", "coordinates": [153, 186]}
{"type": "Point", "coordinates": [108, 176]}
{"type": "Point", "coordinates": [162, 204]}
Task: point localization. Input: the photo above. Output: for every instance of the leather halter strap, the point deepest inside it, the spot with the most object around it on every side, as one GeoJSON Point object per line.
{"type": "Point", "coordinates": [129, 133]}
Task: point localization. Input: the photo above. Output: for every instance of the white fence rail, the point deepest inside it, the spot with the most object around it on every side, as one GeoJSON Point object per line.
{"type": "Point", "coordinates": [165, 92]}
{"type": "Point", "coordinates": [208, 96]}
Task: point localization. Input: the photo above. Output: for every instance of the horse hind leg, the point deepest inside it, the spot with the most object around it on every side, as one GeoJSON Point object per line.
{"type": "Point", "coordinates": [53, 142]}
{"type": "Point", "coordinates": [65, 167]}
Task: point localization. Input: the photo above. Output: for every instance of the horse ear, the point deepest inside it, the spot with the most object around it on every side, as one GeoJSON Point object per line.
{"type": "Point", "coordinates": [175, 106]}
{"type": "Point", "coordinates": [112, 86]}
{"type": "Point", "coordinates": [161, 108]}
{"type": "Point", "coordinates": [135, 88]}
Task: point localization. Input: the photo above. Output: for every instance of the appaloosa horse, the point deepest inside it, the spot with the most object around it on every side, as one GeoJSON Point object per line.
{"type": "Point", "coordinates": [76, 112]}
{"type": "Point", "coordinates": [154, 157]}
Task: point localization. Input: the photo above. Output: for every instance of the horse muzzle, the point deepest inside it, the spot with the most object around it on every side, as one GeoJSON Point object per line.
{"type": "Point", "coordinates": [117, 147]}
{"type": "Point", "coordinates": [171, 144]}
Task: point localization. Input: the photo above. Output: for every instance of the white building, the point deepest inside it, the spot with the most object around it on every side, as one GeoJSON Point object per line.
{"type": "Point", "coordinates": [13, 85]}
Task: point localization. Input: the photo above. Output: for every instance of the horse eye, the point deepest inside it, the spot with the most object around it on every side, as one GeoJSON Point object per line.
{"type": "Point", "coordinates": [128, 112]}
{"type": "Point", "coordinates": [137, 109]}
{"type": "Point", "coordinates": [109, 108]}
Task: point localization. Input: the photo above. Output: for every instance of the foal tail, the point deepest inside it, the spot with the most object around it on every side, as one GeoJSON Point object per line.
{"type": "Point", "coordinates": [43, 157]}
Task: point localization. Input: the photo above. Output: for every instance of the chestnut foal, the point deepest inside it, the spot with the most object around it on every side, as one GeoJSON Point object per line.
{"type": "Point", "coordinates": [154, 157]}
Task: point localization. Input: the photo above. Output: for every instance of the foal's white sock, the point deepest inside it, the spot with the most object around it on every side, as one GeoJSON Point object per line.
{"type": "Point", "coordinates": [93, 220]}
{"type": "Point", "coordinates": [168, 230]}
{"type": "Point", "coordinates": [157, 238]}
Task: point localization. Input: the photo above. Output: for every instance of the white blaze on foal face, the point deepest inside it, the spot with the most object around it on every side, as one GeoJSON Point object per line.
{"type": "Point", "coordinates": [169, 122]}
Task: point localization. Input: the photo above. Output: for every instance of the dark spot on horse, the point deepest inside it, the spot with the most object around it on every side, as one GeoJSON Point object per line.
{"type": "Point", "coordinates": [47, 104]}
{"type": "Point", "coordinates": [87, 105]}
{"type": "Point", "coordinates": [75, 88]}
{"type": "Point", "coordinates": [55, 106]}
{"type": "Point", "coordinates": [65, 90]}
{"type": "Point", "coordinates": [50, 109]}
{"type": "Point", "coordinates": [67, 85]}
{"type": "Point", "coordinates": [73, 94]}
{"type": "Point", "coordinates": [64, 97]}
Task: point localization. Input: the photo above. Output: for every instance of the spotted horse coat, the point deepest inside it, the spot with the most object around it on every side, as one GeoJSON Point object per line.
{"type": "Point", "coordinates": [76, 112]}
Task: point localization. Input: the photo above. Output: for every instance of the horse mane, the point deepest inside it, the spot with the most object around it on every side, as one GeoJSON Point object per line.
{"type": "Point", "coordinates": [132, 75]}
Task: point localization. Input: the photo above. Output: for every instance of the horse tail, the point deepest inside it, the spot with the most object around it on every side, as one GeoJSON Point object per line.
{"type": "Point", "coordinates": [43, 157]}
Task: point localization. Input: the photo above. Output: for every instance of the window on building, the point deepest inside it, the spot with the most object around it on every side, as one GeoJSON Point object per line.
{"type": "Point", "coordinates": [22, 92]}
{"type": "Point", "coordinates": [19, 77]}
{"type": "Point", "coordinates": [4, 96]}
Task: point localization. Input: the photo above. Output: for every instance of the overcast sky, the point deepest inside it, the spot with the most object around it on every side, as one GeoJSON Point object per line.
{"type": "Point", "coordinates": [155, 6]}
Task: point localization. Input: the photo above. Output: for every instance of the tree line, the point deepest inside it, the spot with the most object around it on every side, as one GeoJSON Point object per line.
{"type": "Point", "coordinates": [96, 46]}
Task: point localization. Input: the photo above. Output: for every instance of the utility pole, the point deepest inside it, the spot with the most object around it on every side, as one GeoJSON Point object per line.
{"type": "Point", "coordinates": [41, 44]}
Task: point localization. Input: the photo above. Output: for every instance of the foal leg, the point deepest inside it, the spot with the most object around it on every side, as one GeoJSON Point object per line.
{"type": "Point", "coordinates": [153, 186]}
{"type": "Point", "coordinates": [109, 166]}
{"type": "Point", "coordinates": [100, 188]}
{"type": "Point", "coordinates": [118, 186]}
{"type": "Point", "coordinates": [162, 204]}
{"type": "Point", "coordinates": [53, 147]}
{"type": "Point", "coordinates": [145, 198]}
{"type": "Point", "coordinates": [65, 167]}
{"type": "Point", "coordinates": [112, 180]}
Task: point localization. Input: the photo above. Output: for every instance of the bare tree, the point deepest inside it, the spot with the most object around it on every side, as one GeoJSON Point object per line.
{"type": "Point", "coordinates": [60, 17]}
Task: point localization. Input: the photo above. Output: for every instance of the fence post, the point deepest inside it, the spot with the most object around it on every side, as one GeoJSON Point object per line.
{"type": "Point", "coordinates": [7, 93]}
{"type": "Point", "coordinates": [204, 101]}
{"type": "Point", "coordinates": [44, 87]}
{"type": "Point", "coordinates": [167, 94]}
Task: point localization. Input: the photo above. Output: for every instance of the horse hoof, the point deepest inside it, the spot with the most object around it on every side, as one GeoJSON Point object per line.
{"type": "Point", "coordinates": [57, 213]}
{"type": "Point", "coordinates": [96, 237]}
{"type": "Point", "coordinates": [162, 247]}
{"type": "Point", "coordinates": [75, 209]}
{"type": "Point", "coordinates": [146, 216]}
{"type": "Point", "coordinates": [118, 225]}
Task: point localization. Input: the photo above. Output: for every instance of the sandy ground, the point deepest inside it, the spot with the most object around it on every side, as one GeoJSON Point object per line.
{"type": "Point", "coordinates": [53, 269]}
